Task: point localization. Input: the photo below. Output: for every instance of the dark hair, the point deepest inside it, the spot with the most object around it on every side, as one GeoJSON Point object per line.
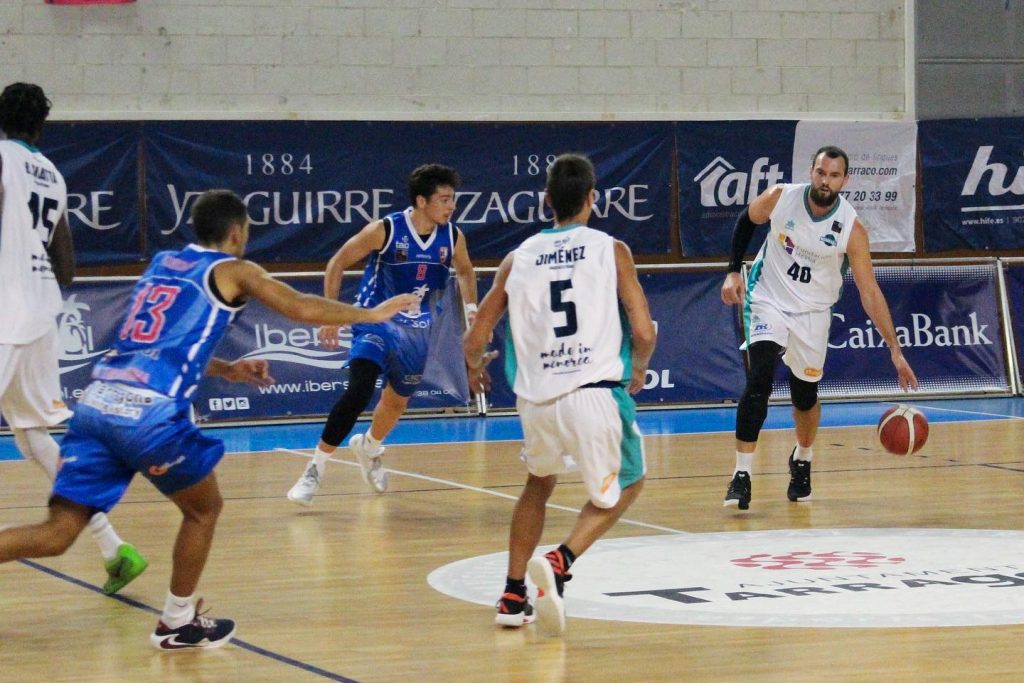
{"type": "Point", "coordinates": [570, 180]}
{"type": "Point", "coordinates": [214, 213]}
{"type": "Point", "coordinates": [23, 110]}
{"type": "Point", "coordinates": [833, 152]}
{"type": "Point", "coordinates": [424, 181]}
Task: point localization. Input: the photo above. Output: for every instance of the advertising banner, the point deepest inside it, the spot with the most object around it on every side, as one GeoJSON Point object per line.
{"type": "Point", "coordinates": [723, 166]}
{"type": "Point", "coordinates": [697, 359]}
{"type": "Point", "coordinates": [972, 182]}
{"type": "Point", "coordinates": [311, 185]}
{"type": "Point", "coordinates": [1014, 279]}
{"type": "Point", "coordinates": [883, 173]}
{"type": "Point", "coordinates": [100, 164]}
{"type": "Point", "coordinates": [948, 325]}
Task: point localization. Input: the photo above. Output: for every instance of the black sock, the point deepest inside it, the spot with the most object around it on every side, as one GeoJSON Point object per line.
{"type": "Point", "coordinates": [516, 586]}
{"type": "Point", "coordinates": [568, 555]}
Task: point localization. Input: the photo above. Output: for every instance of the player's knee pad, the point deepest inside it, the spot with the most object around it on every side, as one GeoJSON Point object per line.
{"type": "Point", "coordinates": [35, 443]}
{"type": "Point", "coordinates": [750, 415]}
{"type": "Point", "coordinates": [804, 394]}
{"type": "Point", "coordinates": [753, 405]}
{"type": "Point", "coordinates": [362, 378]}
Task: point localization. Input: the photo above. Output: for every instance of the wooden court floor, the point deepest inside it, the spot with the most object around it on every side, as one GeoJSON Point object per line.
{"type": "Point", "coordinates": [338, 591]}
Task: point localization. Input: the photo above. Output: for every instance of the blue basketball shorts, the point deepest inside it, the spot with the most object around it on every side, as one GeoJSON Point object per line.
{"type": "Point", "coordinates": [399, 350]}
{"type": "Point", "coordinates": [118, 430]}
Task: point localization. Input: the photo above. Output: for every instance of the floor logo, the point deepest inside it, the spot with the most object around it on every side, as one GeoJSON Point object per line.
{"type": "Point", "coordinates": [807, 577]}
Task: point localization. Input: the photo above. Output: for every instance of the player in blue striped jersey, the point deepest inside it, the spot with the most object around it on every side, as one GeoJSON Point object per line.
{"type": "Point", "coordinates": [136, 417]}
{"type": "Point", "coordinates": [411, 251]}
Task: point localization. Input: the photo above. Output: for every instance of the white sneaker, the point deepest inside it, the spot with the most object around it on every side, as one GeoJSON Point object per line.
{"type": "Point", "coordinates": [550, 606]}
{"type": "Point", "coordinates": [306, 487]}
{"type": "Point", "coordinates": [373, 470]}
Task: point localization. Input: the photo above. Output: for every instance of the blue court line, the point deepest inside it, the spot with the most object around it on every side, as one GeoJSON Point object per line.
{"type": "Point", "coordinates": [505, 427]}
{"type": "Point", "coordinates": [146, 608]}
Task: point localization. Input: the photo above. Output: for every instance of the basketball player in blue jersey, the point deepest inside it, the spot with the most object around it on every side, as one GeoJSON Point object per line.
{"type": "Point", "coordinates": [796, 279]}
{"type": "Point", "coordinates": [409, 251]}
{"type": "Point", "coordinates": [36, 259]}
{"type": "Point", "coordinates": [136, 415]}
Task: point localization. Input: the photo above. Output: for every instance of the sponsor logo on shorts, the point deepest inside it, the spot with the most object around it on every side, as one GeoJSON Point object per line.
{"type": "Point", "coordinates": [838, 578]}
{"type": "Point", "coordinates": [608, 481]}
{"type": "Point", "coordinates": [158, 470]}
{"type": "Point", "coordinates": [58, 404]}
{"type": "Point", "coordinates": [812, 372]}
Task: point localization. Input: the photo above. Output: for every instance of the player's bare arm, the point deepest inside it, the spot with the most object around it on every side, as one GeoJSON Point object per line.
{"type": "Point", "coordinates": [255, 371]}
{"type": "Point", "coordinates": [631, 294]}
{"type": "Point", "coordinates": [62, 252]}
{"type": "Point", "coordinates": [474, 342]}
{"type": "Point", "coordinates": [858, 251]}
{"type": "Point", "coordinates": [466, 276]}
{"type": "Point", "coordinates": [758, 213]}
{"type": "Point", "coordinates": [239, 280]}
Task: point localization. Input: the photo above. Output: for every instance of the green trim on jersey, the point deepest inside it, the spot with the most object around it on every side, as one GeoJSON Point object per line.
{"type": "Point", "coordinates": [511, 366]}
{"type": "Point", "coordinates": [626, 348]}
{"type": "Point", "coordinates": [631, 450]}
{"type": "Point", "coordinates": [753, 277]}
{"type": "Point", "coordinates": [807, 206]}
{"type": "Point", "coordinates": [31, 148]}
{"type": "Point", "coordinates": [562, 228]}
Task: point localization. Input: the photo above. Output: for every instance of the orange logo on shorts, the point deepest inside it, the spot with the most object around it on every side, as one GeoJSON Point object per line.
{"type": "Point", "coordinates": [58, 404]}
{"type": "Point", "coordinates": [157, 470]}
{"type": "Point", "coordinates": [606, 484]}
{"type": "Point", "coordinates": [812, 372]}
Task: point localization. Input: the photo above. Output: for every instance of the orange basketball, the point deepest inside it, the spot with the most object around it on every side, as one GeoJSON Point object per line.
{"type": "Point", "coordinates": [902, 430]}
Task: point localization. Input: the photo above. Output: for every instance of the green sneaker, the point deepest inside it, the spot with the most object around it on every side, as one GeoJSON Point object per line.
{"type": "Point", "coordinates": [123, 569]}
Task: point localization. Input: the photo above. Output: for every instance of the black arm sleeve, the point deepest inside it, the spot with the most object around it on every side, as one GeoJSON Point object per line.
{"type": "Point", "coordinates": [741, 237]}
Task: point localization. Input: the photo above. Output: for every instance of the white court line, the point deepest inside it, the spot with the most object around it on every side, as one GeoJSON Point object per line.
{"type": "Point", "coordinates": [467, 487]}
{"type": "Point", "coordinates": [969, 412]}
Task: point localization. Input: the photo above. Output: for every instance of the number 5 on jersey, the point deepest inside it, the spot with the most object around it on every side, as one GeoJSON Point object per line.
{"type": "Point", "coordinates": [558, 288]}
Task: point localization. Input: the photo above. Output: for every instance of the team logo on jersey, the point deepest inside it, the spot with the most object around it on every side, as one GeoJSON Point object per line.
{"type": "Point", "coordinates": [837, 227]}
{"type": "Point", "coordinates": [402, 250]}
{"type": "Point", "coordinates": [829, 239]}
{"type": "Point", "coordinates": [416, 310]}
{"type": "Point", "coordinates": [76, 339]}
{"type": "Point", "coordinates": [442, 254]}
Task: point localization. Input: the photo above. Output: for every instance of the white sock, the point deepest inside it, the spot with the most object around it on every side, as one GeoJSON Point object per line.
{"type": "Point", "coordinates": [103, 533]}
{"type": "Point", "coordinates": [320, 459]}
{"type": "Point", "coordinates": [371, 442]}
{"type": "Point", "coordinates": [177, 611]}
{"type": "Point", "coordinates": [37, 445]}
{"type": "Point", "coordinates": [803, 453]}
{"type": "Point", "coordinates": [744, 462]}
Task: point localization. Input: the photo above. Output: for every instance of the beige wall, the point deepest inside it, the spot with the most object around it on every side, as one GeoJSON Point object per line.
{"type": "Point", "coordinates": [461, 59]}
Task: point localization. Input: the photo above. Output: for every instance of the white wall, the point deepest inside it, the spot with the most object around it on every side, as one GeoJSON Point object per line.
{"type": "Point", "coordinates": [461, 59]}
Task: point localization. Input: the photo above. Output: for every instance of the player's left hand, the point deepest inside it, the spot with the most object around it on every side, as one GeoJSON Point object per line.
{"type": "Point", "coordinates": [254, 371]}
{"type": "Point", "coordinates": [636, 381]}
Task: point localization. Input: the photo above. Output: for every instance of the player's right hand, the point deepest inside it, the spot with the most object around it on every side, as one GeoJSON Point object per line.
{"type": "Point", "coordinates": [329, 336]}
{"type": "Point", "coordinates": [733, 289]}
{"type": "Point", "coordinates": [394, 305]}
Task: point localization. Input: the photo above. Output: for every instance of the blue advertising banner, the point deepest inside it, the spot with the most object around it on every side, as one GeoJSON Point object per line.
{"type": "Point", "coordinates": [312, 185]}
{"type": "Point", "coordinates": [972, 180]}
{"type": "Point", "coordinates": [1014, 279]}
{"type": "Point", "coordinates": [948, 325]}
{"type": "Point", "coordinates": [723, 166]}
{"type": "Point", "coordinates": [697, 359]}
{"type": "Point", "coordinates": [309, 378]}
{"type": "Point", "coordinates": [100, 163]}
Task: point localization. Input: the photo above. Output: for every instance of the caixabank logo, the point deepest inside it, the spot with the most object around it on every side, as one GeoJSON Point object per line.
{"type": "Point", "coordinates": [786, 578]}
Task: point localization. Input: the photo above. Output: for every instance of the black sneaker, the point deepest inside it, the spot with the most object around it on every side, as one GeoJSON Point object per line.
{"type": "Point", "coordinates": [799, 479]}
{"type": "Point", "coordinates": [514, 611]}
{"type": "Point", "coordinates": [201, 632]}
{"type": "Point", "coordinates": [739, 491]}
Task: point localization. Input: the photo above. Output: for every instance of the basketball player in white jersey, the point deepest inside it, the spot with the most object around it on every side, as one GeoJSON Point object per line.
{"type": "Point", "coordinates": [36, 259]}
{"type": "Point", "coordinates": [794, 282]}
{"type": "Point", "coordinates": [579, 341]}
